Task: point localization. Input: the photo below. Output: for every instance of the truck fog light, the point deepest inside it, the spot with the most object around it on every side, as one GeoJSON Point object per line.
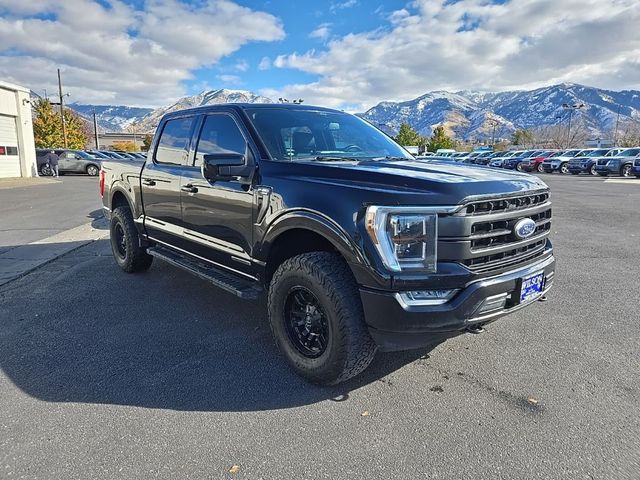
{"type": "Point", "coordinates": [424, 297]}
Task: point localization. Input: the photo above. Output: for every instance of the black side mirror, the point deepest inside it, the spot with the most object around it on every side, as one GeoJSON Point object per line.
{"type": "Point", "coordinates": [223, 166]}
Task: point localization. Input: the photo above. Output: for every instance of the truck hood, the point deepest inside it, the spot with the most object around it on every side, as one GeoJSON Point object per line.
{"type": "Point", "coordinates": [429, 183]}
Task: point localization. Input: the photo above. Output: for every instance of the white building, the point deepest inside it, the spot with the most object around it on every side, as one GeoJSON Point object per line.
{"type": "Point", "coordinates": [17, 147]}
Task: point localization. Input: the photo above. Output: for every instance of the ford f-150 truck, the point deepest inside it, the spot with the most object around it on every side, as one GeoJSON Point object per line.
{"type": "Point", "coordinates": [358, 246]}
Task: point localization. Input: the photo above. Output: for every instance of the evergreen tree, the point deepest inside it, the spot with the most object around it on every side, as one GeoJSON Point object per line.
{"type": "Point", "coordinates": [146, 142]}
{"type": "Point", "coordinates": [522, 137]}
{"type": "Point", "coordinates": [47, 127]}
{"type": "Point", "coordinates": [439, 140]}
{"type": "Point", "coordinates": [408, 136]}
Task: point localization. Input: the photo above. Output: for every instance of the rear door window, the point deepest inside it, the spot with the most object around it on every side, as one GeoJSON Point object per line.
{"type": "Point", "coordinates": [173, 144]}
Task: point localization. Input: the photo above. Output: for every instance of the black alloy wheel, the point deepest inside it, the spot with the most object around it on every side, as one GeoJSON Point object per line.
{"type": "Point", "coordinates": [119, 241]}
{"type": "Point", "coordinates": [306, 322]}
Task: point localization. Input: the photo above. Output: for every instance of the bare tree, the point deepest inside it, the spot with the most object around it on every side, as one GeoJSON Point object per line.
{"type": "Point", "coordinates": [628, 134]}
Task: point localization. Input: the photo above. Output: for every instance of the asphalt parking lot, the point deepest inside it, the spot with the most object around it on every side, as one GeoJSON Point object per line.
{"type": "Point", "coordinates": [160, 375]}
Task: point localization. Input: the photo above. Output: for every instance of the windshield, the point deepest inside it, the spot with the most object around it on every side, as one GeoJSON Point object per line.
{"type": "Point", "coordinates": [297, 134]}
{"type": "Point", "coordinates": [598, 153]}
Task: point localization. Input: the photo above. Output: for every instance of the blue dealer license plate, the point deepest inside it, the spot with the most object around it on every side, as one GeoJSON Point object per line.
{"type": "Point", "coordinates": [531, 287]}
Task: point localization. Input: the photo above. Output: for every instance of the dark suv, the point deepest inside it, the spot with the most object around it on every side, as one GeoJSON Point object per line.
{"type": "Point", "coordinates": [586, 161]}
{"type": "Point", "coordinates": [358, 246]}
{"type": "Point", "coordinates": [620, 164]}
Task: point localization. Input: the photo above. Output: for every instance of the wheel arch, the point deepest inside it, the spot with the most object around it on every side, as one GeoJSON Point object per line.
{"type": "Point", "coordinates": [303, 231]}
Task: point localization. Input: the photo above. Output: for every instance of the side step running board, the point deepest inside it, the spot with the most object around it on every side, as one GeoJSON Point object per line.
{"type": "Point", "coordinates": [243, 288]}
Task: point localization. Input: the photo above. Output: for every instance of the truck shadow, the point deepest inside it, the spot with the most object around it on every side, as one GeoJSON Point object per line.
{"type": "Point", "coordinates": [80, 330]}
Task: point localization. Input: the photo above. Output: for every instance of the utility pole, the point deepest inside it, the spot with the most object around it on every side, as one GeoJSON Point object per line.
{"type": "Point", "coordinates": [494, 123]}
{"type": "Point", "coordinates": [95, 130]}
{"type": "Point", "coordinates": [615, 135]}
{"type": "Point", "coordinates": [64, 127]}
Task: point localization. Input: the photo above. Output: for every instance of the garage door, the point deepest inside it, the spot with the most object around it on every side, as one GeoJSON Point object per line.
{"type": "Point", "coordinates": [9, 160]}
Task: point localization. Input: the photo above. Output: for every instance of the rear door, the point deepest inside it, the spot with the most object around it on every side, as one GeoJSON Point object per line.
{"type": "Point", "coordinates": [217, 216]}
{"type": "Point", "coordinates": [160, 180]}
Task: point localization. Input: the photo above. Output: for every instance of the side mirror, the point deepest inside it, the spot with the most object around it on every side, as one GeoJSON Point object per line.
{"type": "Point", "coordinates": [223, 166]}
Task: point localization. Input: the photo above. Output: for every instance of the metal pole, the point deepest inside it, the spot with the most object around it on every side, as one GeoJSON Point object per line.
{"type": "Point", "coordinates": [95, 130]}
{"type": "Point", "coordinates": [493, 135]}
{"type": "Point", "coordinates": [615, 136]}
{"type": "Point", "coordinates": [64, 128]}
{"type": "Point", "coordinates": [569, 132]}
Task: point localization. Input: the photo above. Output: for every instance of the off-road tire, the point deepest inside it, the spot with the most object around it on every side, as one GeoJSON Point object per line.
{"type": "Point", "coordinates": [350, 349]}
{"type": "Point", "coordinates": [135, 258]}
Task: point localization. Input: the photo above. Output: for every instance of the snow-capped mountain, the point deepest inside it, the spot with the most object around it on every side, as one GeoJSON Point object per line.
{"type": "Point", "coordinates": [111, 118]}
{"type": "Point", "coordinates": [211, 97]}
{"type": "Point", "coordinates": [471, 114]}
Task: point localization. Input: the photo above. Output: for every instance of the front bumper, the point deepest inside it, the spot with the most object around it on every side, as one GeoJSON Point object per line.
{"type": "Point", "coordinates": [606, 169]}
{"type": "Point", "coordinates": [394, 326]}
{"type": "Point", "coordinates": [579, 168]}
{"type": "Point", "coordinates": [550, 167]}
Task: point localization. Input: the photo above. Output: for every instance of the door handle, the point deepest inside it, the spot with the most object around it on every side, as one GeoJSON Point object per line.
{"type": "Point", "coordinates": [189, 188]}
{"type": "Point", "coordinates": [148, 182]}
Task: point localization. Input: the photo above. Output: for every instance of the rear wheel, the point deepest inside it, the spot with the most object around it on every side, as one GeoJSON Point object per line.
{"type": "Point", "coordinates": [92, 170]}
{"type": "Point", "coordinates": [625, 171]}
{"type": "Point", "coordinates": [317, 319]}
{"type": "Point", "coordinates": [45, 170]}
{"type": "Point", "coordinates": [125, 242]}
{"type": "Point", "coordinates": [564, 168]}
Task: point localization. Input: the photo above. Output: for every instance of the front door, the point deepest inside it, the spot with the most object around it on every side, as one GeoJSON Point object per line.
{"type": "Point", "coordinates": [161, 178]}
{"type": "Point", "coordinates": [217, 216]}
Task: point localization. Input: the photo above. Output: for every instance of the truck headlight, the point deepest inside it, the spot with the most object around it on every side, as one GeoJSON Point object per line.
{"type": "Point", "coordinates": [406, 239]}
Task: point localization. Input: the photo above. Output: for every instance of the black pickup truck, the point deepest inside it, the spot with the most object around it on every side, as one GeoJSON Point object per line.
{"type": "Point", "coordinates": [358, 246]}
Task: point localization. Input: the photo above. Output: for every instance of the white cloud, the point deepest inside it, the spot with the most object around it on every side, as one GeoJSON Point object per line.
{"type": "Point", "coordinates": [120, 54]}
{"type": "Point", "coordinates": [342, 5]}
{"type": "Point", "coordinates": [241, 66]}
{"type": "Point", "coordinates": [265, 63]}
{"type": "Point", "coordinates": [232, 79]}
{"type": "Point", "coordinates": [475, 44]}
{"type": "Point", "coordinates": [322, 32]}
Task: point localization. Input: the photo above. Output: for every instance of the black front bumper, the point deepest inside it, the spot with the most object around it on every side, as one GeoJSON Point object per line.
{"type": "Point", "coordinates": [395, 326]}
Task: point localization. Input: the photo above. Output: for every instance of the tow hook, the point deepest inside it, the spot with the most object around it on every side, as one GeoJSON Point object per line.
{"type": "Point", "coordinates": [543, 298]}
{"type": "Point", "coordinates": [475, 329]}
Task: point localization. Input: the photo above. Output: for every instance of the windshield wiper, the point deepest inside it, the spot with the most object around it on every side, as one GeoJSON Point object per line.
{"type": "Point", "coordinates": [335, 159]}
{"type": "Point", "coordinates": [390, 157]}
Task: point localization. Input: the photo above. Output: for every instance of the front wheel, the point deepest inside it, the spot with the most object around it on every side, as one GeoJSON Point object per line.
{"type": "Point", "coordinates": [45, 170]}
{"type": "Point", "coordinates": [625, 171]}
{"type": "Point", "coordinates": [125, 242]}
{"type": "Point", "coordinates": [540, 169]}
{"type": "Point", "coordinates": [317, 319]}
{"type": "Point", "coordinates": [564, 168]}
{"type": "Point", "coordinates": [519, 167]}
{"type": "Point", "coordinates": [592, 170]}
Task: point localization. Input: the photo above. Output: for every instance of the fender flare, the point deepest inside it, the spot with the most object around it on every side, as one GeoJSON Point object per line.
{"type": "Point", "coordinates": [119, 187]}
{"type": "Point", "coordinates": [303, 219]}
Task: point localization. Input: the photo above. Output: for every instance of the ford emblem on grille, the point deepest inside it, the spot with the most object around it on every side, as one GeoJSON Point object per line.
{"type": "Point", "coordinates": [524, 228]}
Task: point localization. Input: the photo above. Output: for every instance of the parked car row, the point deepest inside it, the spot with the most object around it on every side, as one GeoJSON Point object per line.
{"type": "Point", "coordinates": [81, 161]}
{"type": "Point", "coordinates": [594, 161]}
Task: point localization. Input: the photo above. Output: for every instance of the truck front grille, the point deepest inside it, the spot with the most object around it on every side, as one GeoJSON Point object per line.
{"type": "Point", "coordinates": [507, 204]}
{"type": "Point", "coordinates": [482, 236]}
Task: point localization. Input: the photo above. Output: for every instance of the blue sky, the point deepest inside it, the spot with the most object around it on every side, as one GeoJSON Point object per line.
{"type": "Point", "coordinates": [349, 54]}
{"type": "Point", "coordinates": [300, 19]}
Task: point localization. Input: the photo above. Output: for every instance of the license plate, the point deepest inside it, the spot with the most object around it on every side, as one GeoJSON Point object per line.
{"type": "Point", "coordinates": [531, 287]}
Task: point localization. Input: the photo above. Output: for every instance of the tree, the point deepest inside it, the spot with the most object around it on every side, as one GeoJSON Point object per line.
{"type": "Point", "coordinates": [125, 146]}
{"type": "Point", "coordinates": [146, 142]}
{"type": "Point", "coordinates": [522, 137]}
{"type": "Point", "coordinates": [408, 136]}
{"type": "Point", "coordinates": [439, 140]}
{"type": "Point", "coordinates": [47, 127]}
